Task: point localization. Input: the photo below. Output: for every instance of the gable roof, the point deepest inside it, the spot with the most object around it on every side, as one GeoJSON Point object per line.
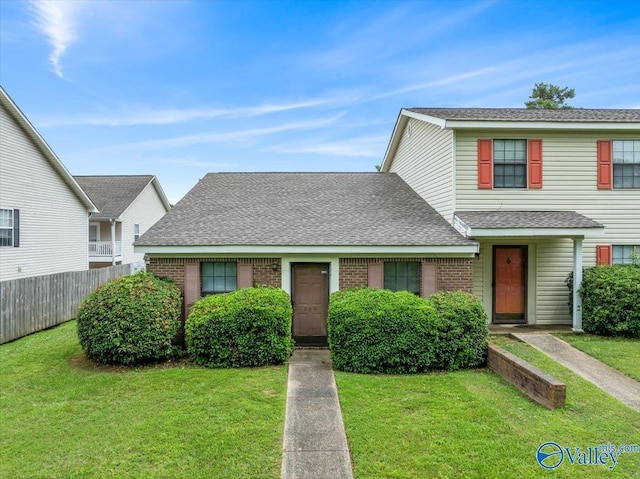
{"type": "Point", "coordinates": [41, 145]}
{"type": "Point", "coordinates": [113, 194]}
{"type": "Point", "coordinates": [525, 223]}
{"type": "Point", "coordinates": [513, 118]}
{"type": "Point", "coordinates": [526, 114]}
{"type": "Point", "coordinates": [302, 209]}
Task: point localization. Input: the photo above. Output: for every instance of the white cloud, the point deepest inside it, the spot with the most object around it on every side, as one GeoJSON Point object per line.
{"type": "Point", "coordinates": [149, 116]}
{"type": "Point", "coordinates": [57, 20]}
{"type": "Point", "coordinates": [228, 136]}
{"type": "Point", "coordinates": [364, 147]}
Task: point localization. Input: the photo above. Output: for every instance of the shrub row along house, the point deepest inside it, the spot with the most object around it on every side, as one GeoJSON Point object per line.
{"type": "Point", "coordinates": [501, 203]}
{"type": "Point", "coordinates": [44, 211]}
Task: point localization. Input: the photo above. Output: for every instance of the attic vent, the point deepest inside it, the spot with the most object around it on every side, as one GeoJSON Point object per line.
{"type": "Point", "coordinates": [409, 130]}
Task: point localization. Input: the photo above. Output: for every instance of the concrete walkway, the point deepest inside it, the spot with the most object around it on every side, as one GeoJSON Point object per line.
{"type": "Point", "coordinates": [605, 377]}
{"type": "Point", "coordinates": [315, 445]}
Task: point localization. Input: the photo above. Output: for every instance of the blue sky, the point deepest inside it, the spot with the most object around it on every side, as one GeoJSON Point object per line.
{"type": "Point", "coordinates": [179, 89]}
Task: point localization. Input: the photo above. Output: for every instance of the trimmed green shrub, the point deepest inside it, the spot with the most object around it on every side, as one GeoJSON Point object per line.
{"type": "Point", "coordinates": [459, 331]}
{"type": "Point", "coordinates": [378, 331]}
{"type": "Point", "coordinates": [248, 327]}
{"type": "Point", "coordinates": [131, 320]}
{"type": "Point", "coordinates": [611, 300]}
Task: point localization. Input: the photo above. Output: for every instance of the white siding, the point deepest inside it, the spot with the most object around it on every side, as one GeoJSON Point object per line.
{"type": "Point", "coordinates": [424, 160]}
{"type": "Point", "coordinates": [53, 221]}
{"type": "Point", "coordinates": [145, 210]}
{"type": "Point", "coordinates": [569, 183]}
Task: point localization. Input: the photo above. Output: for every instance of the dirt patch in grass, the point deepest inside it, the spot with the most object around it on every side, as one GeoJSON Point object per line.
{"type": "Point", "coordinates": [83, 363]}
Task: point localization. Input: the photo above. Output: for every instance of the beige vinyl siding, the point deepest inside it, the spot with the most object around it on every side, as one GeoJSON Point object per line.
{"type": "Point", "coordinates": [424, 161]}
{"type": "Point", "coordinates": [569, 183]}
{"type": "Point", "coordinates": [54, 227]}
{"type": "Point", "coordinates": [145, 210]}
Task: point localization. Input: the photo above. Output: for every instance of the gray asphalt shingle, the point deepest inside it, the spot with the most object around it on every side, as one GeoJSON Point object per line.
{"type": "Point", "coordinates": [302, 209]}
{"type": "Point", "coordinates": [524, 114]}
{"type": "Point", "coordinates": [112, 194]}
{"type": "Point", "coordinates": [526, 219]}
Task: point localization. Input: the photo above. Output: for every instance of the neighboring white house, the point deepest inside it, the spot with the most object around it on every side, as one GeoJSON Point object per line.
{"type": "Point", "coordinates": [43, 210]}
{"type": "Point", "coordinates": [542, 191]}
{"type": "Point", "coordinates": [129, 206]}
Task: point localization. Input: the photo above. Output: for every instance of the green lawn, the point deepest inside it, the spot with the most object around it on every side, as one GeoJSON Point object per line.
{"type": "Point", "coordinates": [474, 424]}
{"type": "Point", "coordinates": [60, 416]}
{"type": "Point", "coordinates": [622, 354]}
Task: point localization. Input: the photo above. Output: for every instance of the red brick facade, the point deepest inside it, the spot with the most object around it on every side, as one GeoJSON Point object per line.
{"type": "Point", "coordinates": [452, 273]}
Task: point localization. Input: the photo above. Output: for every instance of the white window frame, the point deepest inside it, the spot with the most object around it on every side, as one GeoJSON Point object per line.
{"type": "Point", "coordinates": [618, 163]}
{"type": "Point", "coordinates": [10, 228]}
{"type": "Point", "coordinates": [97, 226]}
{"type": "Point", "coordinates": [136, 231]}
{"type": "Point", "coordinates": [513, 163]}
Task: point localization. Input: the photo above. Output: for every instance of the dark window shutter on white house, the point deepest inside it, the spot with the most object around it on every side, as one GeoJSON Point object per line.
{"type": "Point", "coordinates": [16, 228]}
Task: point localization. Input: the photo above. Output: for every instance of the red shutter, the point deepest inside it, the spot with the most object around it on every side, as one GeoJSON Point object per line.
{"type": "Point", "coordinates": [191, 286]}
{"type": "Point", "coordinates": [603, 254]}
{"type": "Point", "coordinates": [604, 165]}
{"type": "Point", "coordinates": [376, 275]}
{"type": "Point", "coordinates": [245, 276]}
{"type": "Point", "coordinates": [534, 158]}
{"type": "Point", "coordinates": [429, 283]}
{"type": "Point", "coordinates": [485, 164]}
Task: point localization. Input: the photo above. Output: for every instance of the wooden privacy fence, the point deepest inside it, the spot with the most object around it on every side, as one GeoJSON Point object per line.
{"type": "Point", "coordinates": [28, 305]}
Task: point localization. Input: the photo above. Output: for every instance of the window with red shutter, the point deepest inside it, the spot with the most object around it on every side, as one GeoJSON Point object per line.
{"type": "Point", "coordinates": [604, 164]}
{"type": "Point", "coordinates": [485, 164]}
{"type": "Point", "coordinates": [535, 163]}
{"type": "Point", "coordinates": [603, 254]}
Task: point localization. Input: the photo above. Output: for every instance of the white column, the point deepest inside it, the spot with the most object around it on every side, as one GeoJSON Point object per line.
{"type": "Point", "coordinates": [577, 282]}
{"type": "Point", "coordinates": [113, 242]}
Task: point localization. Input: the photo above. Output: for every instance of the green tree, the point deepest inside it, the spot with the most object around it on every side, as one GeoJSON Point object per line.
{"type": "Point", "coordinates": [550, 97]}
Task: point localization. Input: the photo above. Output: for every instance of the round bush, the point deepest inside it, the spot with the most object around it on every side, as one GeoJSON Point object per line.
{"type": "Point", "coordinates": [611, 300]}
{"type": "Point", "coordinates": [459, 331]}
{"type": "Point", "coordinates": [248, 327]}
{"type": "Point", "coordinates": [130, 320]}
{"type": "Point", "coordinates": [378, 331]}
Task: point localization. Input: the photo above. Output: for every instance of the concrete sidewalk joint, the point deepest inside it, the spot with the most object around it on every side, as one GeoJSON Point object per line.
{"type": "Point", "coordinates": [315, 444]}
{"type": "Point", "coordinates": [605, 377]}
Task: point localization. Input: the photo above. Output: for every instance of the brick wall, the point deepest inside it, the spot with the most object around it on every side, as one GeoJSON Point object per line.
{"type": "Point", "coordinates": [454, 274]}
{"type": "Point", "coordinates": [536, 384]}
{"type": "Point", "coordinates": [263, 269]}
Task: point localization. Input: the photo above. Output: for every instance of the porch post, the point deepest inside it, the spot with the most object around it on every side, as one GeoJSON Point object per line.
{"type": "Point", "coordinates": [577, 282]}
{"type": "Point", "coordinates": [113, 242]}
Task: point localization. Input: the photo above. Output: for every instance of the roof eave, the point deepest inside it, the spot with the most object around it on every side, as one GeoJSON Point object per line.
{"type": "Point", "coordinates": [533, 232]}
{"type": "Point", "coordinates": [468, 250]}
{"type": "Point", "coordinates": [46, 150]}
{"type": "Point", "coordinates": [538, 125]}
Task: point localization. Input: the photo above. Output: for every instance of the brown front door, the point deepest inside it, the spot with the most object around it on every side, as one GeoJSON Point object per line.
{"type": "Point", "coordinates": [310, 297]}
{"type": "Point", "coordinates": [509, 280]}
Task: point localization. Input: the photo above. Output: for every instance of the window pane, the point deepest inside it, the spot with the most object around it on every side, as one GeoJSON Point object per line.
{"type": "Point", "coordinates": [6, 237]}
{"type": "Point", "coordinates": [6, 218]}
{"type": "Point", "coordinates": [218, 284]}
{"type": "Point", "coordinates": [402, 276]}
{"type": "Point", "coordinates": [218, 269]}
{"type": "Point", "coordinates": [230, 283]}
{"type": "Point", "coordinates": [207, 283]}
{"type": "Point", "coordinates": [207, 269]}
{"type": "Point", "coordinates": [230, 269]}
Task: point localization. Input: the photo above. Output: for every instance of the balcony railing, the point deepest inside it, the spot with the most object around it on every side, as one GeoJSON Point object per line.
{"type": "Point", "coordinates": [104, 249]}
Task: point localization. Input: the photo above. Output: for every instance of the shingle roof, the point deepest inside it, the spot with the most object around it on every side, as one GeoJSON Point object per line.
{"type": "Point", "coordinates": [112, 194]}
{"type": "Point", "coordinates": [302, 209]}
{"type": "Point", "coordinates": [526, 219]}
{"type": "Point", "coordinates": [524, 114]}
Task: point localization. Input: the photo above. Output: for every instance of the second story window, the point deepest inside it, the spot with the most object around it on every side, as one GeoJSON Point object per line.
{"type": "Point", "coordinates": [136, 232]}
{"type": "Point", "coordinates": [626, 163]}
{"type": "Point", "coordinates": [509, 163]}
